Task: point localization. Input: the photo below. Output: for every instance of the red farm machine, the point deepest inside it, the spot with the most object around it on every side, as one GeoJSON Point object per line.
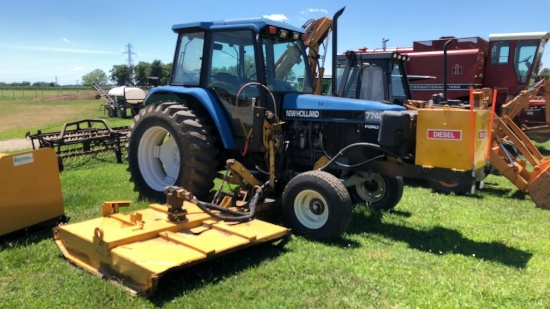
{"type": "Point", "coordinates": [444, 70]}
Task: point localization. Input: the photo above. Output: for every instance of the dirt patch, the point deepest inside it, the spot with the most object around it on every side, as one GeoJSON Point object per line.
{"type": "Point", "coordinates": [36, 115]}
{"type": "Point", "coordinates": [87, 95]}
{"type": "Point", "coordinates": [15, 144]}
{"type": "Point", "coordinates": [38, 112]}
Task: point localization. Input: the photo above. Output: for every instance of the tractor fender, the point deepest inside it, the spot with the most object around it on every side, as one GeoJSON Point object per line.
{"type": "Point", "coordinates": [206, 99]}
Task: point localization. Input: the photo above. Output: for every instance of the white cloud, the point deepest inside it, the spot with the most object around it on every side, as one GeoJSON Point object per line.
{"type": "Point", "coordinates": [277, 17]}
{"type": "Point", "coordinates": [78, 69]}
{"type": "Point", "coordinates": [61, 50]}
{"type": "Point", "coordinates": [310, 11]}
{"type": "Point", "coordinates": [66, 40]}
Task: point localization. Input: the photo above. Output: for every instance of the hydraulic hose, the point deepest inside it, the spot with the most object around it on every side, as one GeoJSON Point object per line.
{"type": "Point", "coordinates": [368, 145]}
{"type": "Point", "coordinates": [234, 216]}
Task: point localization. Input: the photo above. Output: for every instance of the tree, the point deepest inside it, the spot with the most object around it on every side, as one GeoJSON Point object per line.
{"type": "Point", "coordinates": [120, 74]}
{"type": "Point", "coordinates": [166, 72]}
{"type": "Point", "coordinates": [43, 84]}
{"type": "Point", "coordinates": [545, 72]}
{"type": "Point", "coordinates": [98, 76]}
{"type": "Point", "coordinates": [156, 69]}
{"type": "Point", "coordinates": [141, 72]}
{"type": "Point", "coordinates": [23, 83]}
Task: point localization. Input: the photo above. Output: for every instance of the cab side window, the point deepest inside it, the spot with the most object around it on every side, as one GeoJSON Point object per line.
{"type": "Point", "coordinates": [188, 67]}
{"type": "Point", "coordinates": [233, 66]}
{"type": "Point", "coordinates": [500, 53]}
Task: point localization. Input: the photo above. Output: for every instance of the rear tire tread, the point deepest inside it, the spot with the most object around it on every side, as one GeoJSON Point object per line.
{"type": "Point", "coordinates": [196, 145]}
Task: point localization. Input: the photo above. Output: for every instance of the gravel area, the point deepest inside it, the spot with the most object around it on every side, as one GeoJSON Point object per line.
{"type": "Point", "coordinates": [15, 144]}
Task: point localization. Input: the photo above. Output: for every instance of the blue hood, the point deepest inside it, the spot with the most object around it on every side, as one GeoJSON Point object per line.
{"type": "Point", "coordinates": [324, 108]}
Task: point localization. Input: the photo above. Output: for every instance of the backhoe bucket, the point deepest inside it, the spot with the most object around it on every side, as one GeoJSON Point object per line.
{"type": "Point", "coordinates": [139, 247]}
{"type": "Point", "coordinates": [540, 134]}
{"type": "Point", "coordinates": [539, 184]}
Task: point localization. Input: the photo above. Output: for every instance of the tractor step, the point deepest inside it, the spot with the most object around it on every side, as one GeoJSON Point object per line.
{"type": "Point", "coordinates": [139, 247]}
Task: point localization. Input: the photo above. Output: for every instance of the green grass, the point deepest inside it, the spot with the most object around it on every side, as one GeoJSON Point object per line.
{"type": "Point", "coordinates": [489, 250]}
{"type": "Point", "coordinates": [433, 251]}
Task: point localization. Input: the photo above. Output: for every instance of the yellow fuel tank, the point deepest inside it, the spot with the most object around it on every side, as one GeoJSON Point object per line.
{"type": "Point", "coordinates": [30, 190]}
{"type": "Point", "coordinates": [452, 138]}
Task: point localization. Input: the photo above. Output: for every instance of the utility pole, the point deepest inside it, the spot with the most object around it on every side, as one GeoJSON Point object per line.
{"type": "Point", "coordinates": [129, 52]}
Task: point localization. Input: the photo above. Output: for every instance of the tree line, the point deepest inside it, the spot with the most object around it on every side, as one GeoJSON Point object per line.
{"type": "Point", "coordinates": [121, 74]}
{"type": "Point", "coordinates": [27, 84]}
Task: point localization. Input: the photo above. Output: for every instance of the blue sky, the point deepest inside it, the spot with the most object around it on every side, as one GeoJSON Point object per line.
{"type": "Point", "coordinates": [45, 40]}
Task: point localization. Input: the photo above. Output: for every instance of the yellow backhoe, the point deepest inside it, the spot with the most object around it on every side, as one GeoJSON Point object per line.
{"type": "Point", "coordinates": [514, 155]}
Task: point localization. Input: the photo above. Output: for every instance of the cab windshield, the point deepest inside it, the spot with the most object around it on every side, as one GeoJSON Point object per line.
{"type": "Point", "coordinates": [525, 59]}
{"type": "Point", "coordinates": [285, 65]}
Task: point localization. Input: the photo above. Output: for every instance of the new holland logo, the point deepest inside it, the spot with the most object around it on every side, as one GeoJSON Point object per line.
{"type": "Point", "coordinates": [453, 135]}
{"type": "Point", "coordinates": [302, 113]}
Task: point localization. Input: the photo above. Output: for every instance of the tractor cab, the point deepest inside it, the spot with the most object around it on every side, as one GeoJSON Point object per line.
{"type": "Point", "coordinates": [515, 60]}
{"type": "Point", "coordinates": [377, 76]}
{"type": "Point", "coordinates": [233, 60]}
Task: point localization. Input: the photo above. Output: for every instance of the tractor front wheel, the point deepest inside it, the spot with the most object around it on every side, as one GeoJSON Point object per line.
{"type": "Point", "coordinates": [169, 145]}
{"type": "Point", "coordinates": [316, 205]}
{"type": "Point", "coordinates": [381, 192]}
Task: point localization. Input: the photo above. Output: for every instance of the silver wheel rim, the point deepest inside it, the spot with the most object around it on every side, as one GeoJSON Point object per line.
{"type": "Point", "coordinates": [371, 190]}
{"type": "Point", "coordinates": [158, 158]}
{"type": "Point", "coordinates": [311, 209]}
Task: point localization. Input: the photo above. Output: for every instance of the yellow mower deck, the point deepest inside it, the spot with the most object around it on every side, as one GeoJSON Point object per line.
{"type": "Point", "coordinates": [139, 247]}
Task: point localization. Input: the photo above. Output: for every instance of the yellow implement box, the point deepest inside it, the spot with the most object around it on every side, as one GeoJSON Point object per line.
{"type": "Point", "coordinates": [30, 190]}
{"type": "Point", "coordinates": [452, 138]}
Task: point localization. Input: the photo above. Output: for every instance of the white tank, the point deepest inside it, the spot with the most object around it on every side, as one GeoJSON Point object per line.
{"type": "Point", "coordinates": [131, 95]}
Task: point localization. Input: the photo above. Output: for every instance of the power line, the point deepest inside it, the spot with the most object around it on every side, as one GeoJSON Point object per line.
{"type": "Point", "coordinates": [130, 61]}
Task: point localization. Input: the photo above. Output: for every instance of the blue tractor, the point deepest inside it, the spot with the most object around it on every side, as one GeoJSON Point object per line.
{"type": "Point", "coordinates": [240, 107]}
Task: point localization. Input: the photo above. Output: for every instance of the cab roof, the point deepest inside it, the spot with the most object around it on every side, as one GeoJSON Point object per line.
{"type": "Point", "coordinates": [255, 23]}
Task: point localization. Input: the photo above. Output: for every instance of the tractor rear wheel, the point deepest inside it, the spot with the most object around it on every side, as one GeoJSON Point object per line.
{"type": "Point", "coordinates": [121, 112]}
{"type": "Point", "coordinates": [381, 192]}
{"type": "Point", "coordinates": [169, 145]}
{"type": "Point", "coordinates": [111, 111]}
{"type": "Point", "coordinates": [316, 205]}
